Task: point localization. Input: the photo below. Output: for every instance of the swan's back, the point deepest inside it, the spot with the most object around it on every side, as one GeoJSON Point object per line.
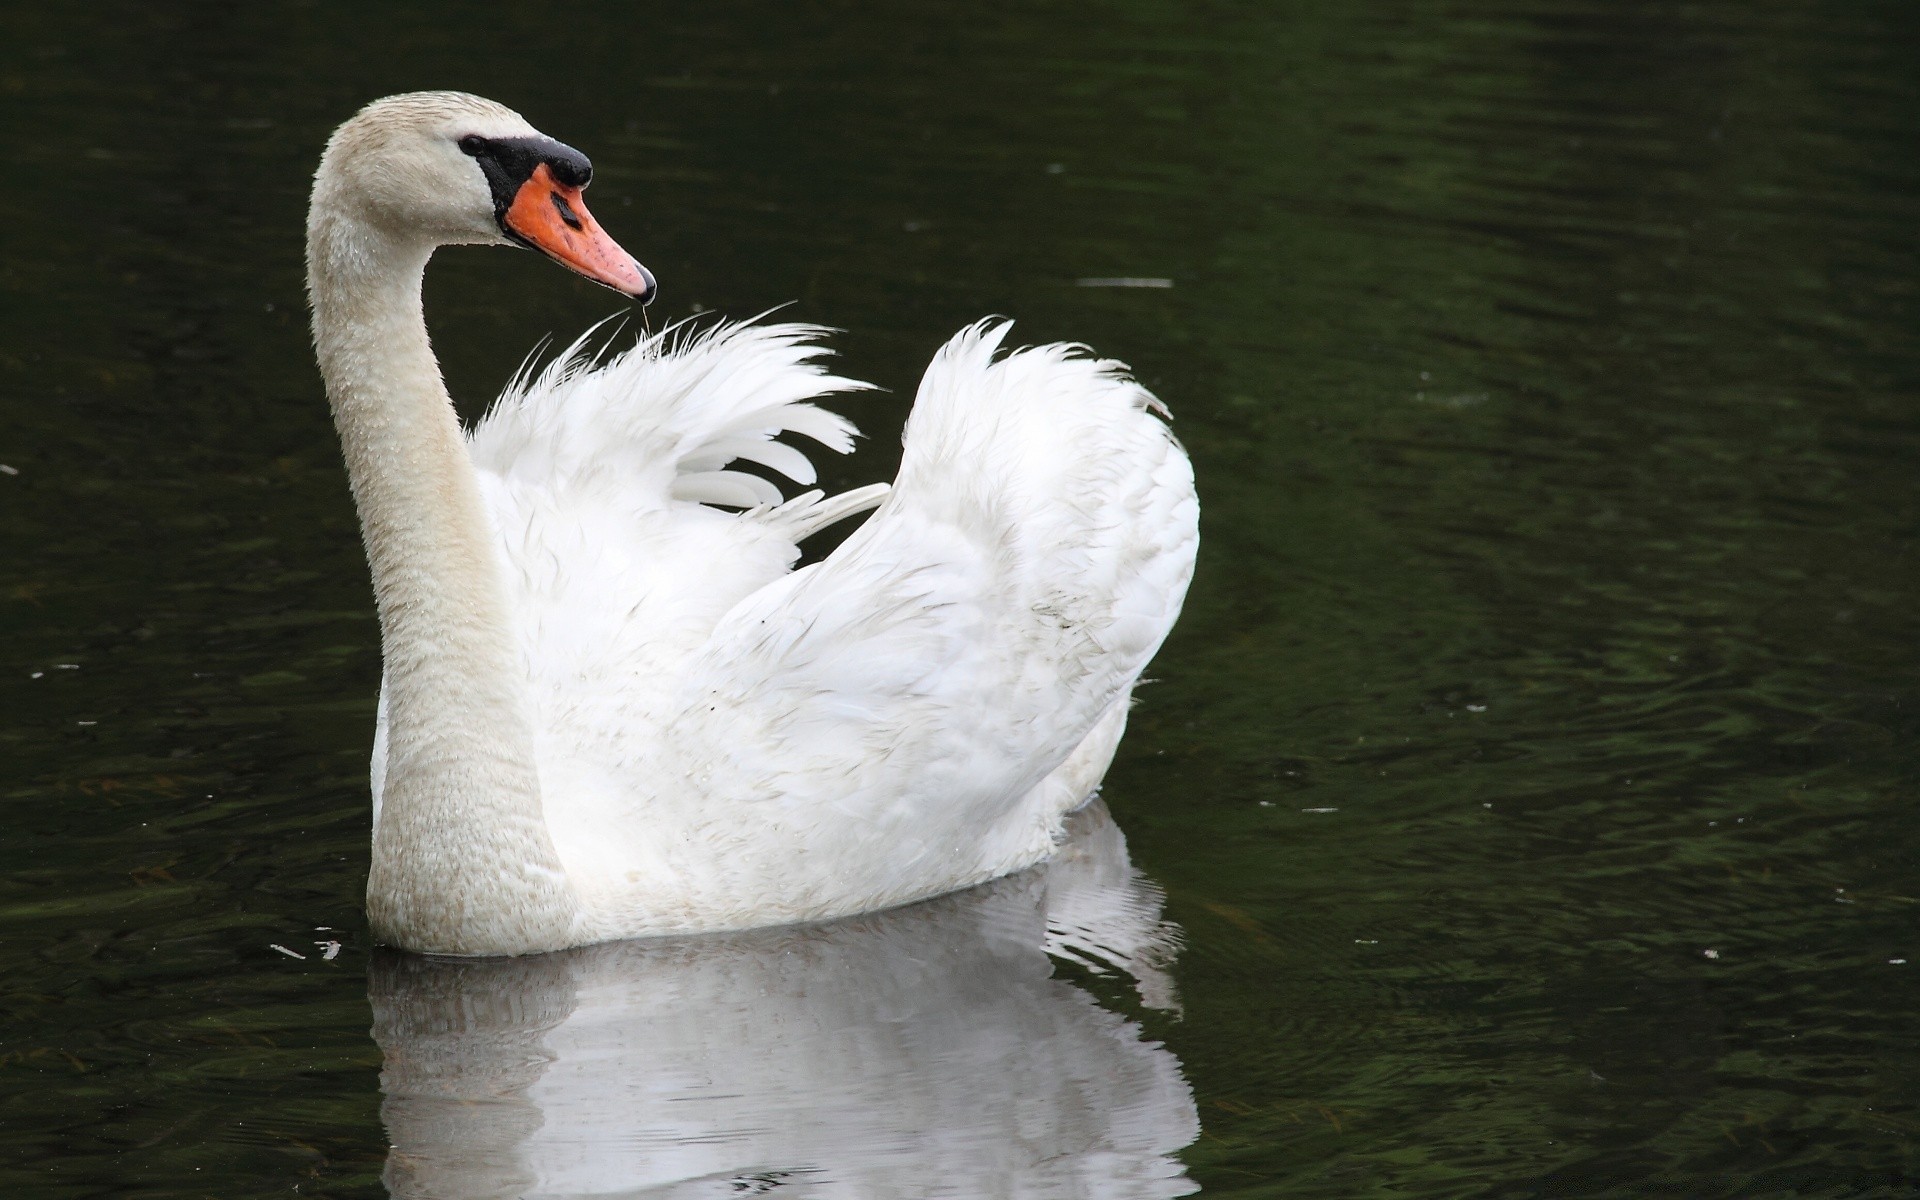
{"type": "Point", "coordinates": [599, 478]}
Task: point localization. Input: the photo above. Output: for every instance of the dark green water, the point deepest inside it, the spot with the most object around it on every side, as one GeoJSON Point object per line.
{"type": "Point", "coordinates": [1534, 770]}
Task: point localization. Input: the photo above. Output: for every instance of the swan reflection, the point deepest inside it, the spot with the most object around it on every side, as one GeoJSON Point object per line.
{"type": "Point", "coordinates": [926, 1051]}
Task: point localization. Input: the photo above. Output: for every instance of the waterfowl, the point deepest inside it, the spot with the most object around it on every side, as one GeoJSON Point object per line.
{"type": "Point", "coordinates": [610, 707]}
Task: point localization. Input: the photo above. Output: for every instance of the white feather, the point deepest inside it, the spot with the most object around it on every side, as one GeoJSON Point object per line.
{"type": "Point", "coordinates": [723, 744]}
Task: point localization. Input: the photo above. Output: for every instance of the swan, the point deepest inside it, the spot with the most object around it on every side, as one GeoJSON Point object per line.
{"type": "Point", "coordinates": [610, 707]}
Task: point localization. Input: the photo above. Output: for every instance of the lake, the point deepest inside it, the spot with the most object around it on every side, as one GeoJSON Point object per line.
{"type": "Point", "coordinates": [1525, 805]}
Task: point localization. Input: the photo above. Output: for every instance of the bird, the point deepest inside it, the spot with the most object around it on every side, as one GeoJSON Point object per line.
{"type": "Point", "coordinates": [611, 707]}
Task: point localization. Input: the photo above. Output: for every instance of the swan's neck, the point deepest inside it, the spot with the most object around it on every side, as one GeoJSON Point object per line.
{"type": "Point", "coordinates": [462, 861]}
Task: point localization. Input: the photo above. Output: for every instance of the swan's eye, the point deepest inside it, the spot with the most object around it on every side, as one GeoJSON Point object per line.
{"type": "Point", "coordinates": [473, 144]}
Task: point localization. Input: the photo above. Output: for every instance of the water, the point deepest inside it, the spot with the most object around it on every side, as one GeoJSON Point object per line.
{"type": "Point", "coordinates": [1531, 778]}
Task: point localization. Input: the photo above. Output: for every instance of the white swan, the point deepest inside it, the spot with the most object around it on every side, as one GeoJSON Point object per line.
{"type": "Point", "coordinates": [610, 710]}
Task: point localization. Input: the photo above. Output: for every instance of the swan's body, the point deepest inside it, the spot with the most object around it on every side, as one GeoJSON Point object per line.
{"type": "Point", "coordinates": [610, 710]}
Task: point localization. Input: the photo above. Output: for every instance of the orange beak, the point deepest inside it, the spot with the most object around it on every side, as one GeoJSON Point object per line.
{"type": "Point", "coordinates": [553, 219]}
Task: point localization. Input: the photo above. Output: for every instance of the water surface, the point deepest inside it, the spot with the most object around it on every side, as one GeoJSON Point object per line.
{"type": "Point", "coordinates": [1532, 775]}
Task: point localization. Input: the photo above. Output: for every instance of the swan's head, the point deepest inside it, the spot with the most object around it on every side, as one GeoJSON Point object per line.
{"type": "Point", "coordinates": [449, 168]}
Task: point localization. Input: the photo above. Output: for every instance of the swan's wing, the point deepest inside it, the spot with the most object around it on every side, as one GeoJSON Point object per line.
{"type": "Point", "coordinates": [662, 421]}
{"type": "Point", "coordinates": [873, 726]}
{"type": "Point", "coordinates": [599, 478]}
